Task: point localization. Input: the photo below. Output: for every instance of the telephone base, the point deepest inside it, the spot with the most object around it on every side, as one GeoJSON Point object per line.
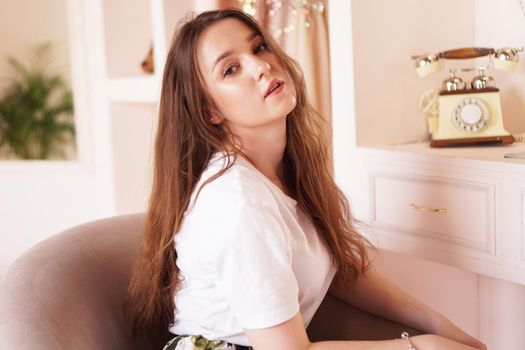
{"type": "Point", "coordinates": [504, 139]}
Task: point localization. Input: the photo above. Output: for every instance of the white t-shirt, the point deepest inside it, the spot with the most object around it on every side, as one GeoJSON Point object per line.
{"type": "Point", "coordinates": [248, 257]}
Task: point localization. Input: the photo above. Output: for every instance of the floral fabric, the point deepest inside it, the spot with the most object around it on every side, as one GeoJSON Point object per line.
{"type": "Point", "coordinates": [198, 342]}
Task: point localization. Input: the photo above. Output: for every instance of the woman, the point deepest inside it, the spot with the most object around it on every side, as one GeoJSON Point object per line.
{"type": "Point", "coordinates": [246, 230]}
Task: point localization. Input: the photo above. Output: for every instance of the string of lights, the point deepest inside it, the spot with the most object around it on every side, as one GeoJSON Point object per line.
{"type": "Point", "coordinates": [307, 7]}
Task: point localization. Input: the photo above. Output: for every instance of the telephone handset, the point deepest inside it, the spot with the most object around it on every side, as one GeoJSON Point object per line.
{"type": "Point", "coordinates": [468, 113]}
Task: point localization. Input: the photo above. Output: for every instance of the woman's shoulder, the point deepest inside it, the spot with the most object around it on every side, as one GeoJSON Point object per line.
{"type": "Point", "coordinates": [237, 203]}
{"type": "Point", "coordinates": [240, 184]}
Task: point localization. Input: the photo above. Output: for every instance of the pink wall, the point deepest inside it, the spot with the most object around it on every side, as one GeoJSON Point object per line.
{"type": "Point", "coordinates": [500, 24]}
{"type": "Point", "coordinates": [33, 21]}
{"type": "Point", "coordinates": [128, 36]}
{"type": "Point", "coordinates": [451, 291]}
{"type": "Point", "coordinates": [385, 35]}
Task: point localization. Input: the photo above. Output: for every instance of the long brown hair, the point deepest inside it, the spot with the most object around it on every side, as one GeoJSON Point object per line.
{"type": "Point", "coordinates": [185, 142]}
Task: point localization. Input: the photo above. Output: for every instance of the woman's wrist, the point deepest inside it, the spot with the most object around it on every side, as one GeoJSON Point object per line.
{"type": "Point", "coordinates": [439, 342]}
{"type": "Point", "coordinates": [444, 327]}
{"type": "Point", "coordinates": [406, 337]}
{"type": "Point", "coordinates": [434, 342]}
{"type": "Point", "coordinates": [439, 324]}
{"type": "Point", "coordinates": [422, 342]}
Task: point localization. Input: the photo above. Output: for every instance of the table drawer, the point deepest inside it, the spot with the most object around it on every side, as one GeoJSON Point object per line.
{"type": "Point", "coordinates": [521, 224]}
{"type": "Point", "coordinates": [451, 211]}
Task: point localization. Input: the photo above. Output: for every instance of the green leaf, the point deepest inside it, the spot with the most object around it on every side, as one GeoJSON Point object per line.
{"type": "Point", "coordinates": [36, 111]}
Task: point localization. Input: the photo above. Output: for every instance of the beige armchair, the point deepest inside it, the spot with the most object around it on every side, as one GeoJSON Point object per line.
{"type": "Point", "coordinates": [67, 293]}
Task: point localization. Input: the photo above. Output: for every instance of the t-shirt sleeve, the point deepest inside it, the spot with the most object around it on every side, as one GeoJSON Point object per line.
{"type": "Point", "coordinates": [253, 264]}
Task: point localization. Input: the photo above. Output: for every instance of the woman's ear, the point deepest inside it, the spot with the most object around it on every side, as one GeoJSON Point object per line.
{"type": "Point", "coordinates": [216, 119]}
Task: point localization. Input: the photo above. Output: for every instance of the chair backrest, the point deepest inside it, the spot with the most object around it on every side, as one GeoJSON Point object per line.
{"type": "Point", "coordinates": [67, 292]}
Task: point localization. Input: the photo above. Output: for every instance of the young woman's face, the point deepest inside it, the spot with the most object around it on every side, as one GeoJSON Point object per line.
{"type": "Point", "coordinates": [245, 80]}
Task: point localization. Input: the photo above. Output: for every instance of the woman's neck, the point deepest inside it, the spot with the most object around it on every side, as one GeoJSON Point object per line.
{"type": "Point", "coordinates": [265, 151]}
{"type": "Point", "coordinates": [269, 165]}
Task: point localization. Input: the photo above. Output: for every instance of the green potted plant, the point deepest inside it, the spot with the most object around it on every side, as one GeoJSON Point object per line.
{"type": "Point", "coordinates": [36, 110]}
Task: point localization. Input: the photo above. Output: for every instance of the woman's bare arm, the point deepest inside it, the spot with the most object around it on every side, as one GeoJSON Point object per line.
{"type": "Point", "coordinates": [376, 294]}
{"type": "Point", "coordinates": [291, 335]}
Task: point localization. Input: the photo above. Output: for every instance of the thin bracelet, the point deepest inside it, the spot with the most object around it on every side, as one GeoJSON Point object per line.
{"type": "Point", "coordinates": [405, 336]}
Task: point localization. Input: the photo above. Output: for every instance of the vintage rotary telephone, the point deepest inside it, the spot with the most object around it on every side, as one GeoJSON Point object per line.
{"type": "Point", "coordinates": [467, 113]}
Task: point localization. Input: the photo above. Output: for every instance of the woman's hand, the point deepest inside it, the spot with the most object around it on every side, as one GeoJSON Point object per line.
{"type": "Point", "coordinates": [447, 329]}
{"type": "Point", "coordinates": [436, 342]}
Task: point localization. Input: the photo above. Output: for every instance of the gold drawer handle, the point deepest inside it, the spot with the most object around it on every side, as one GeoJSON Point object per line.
{"type": "Point", "coordinates": [429, 210]}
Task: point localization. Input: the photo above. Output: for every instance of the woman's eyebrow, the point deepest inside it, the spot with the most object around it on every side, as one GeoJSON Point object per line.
{"type": "Point", "coordinates": [225, 54]}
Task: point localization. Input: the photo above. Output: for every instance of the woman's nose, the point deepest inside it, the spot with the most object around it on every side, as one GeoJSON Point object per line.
{"type": "Point", "coordinates": [259, 68]}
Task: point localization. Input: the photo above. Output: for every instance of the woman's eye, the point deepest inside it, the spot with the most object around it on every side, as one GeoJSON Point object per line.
{"type": "Point", "coordinates": [229, 70]}
{"type": "Point", "coordinates": [260, 48]}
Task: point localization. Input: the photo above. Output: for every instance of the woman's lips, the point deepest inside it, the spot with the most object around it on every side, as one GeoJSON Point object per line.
{"type": "Point", "coordinates": [273, 90]}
